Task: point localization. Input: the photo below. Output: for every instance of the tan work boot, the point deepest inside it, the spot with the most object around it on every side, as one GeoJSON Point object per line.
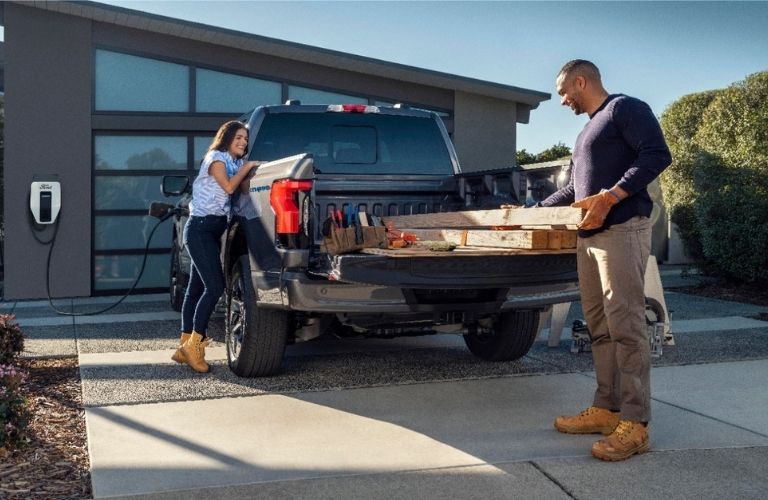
{"type": "Point", "coordinates": [194, 351]}
{"type": "Point", "coordinates": [628, 439]}
{"type": "Point", "coordinates": [178, 356]}
{"type": "Point", "coordinates": [593, 420]}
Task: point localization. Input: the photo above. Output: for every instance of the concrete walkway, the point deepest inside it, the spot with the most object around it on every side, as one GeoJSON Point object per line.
{"type": "Point", "coordinates": [466, 439]}
{"type": "Point", "coordinates": [407, 418]}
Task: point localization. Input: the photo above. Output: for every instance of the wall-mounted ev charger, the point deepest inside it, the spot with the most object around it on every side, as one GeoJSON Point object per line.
{"type": "Point", "coordinates": [45, 201]}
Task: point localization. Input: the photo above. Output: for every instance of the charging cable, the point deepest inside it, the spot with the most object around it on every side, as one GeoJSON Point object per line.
{"type": "Point", "coordinates": [169, 211]}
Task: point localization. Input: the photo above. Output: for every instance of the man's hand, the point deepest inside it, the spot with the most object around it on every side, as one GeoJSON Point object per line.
{"type": "Point", "coordinates": [597, 206]}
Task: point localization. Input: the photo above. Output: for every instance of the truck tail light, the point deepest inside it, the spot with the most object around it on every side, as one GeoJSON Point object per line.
{"type": "Point", "coordinates": [284, 198]}
{"type": "Point", "coordinates": [353, 108]}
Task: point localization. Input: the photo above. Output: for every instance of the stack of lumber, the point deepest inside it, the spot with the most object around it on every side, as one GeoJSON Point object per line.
{"type": "Point", "coordinates": [505, 230]}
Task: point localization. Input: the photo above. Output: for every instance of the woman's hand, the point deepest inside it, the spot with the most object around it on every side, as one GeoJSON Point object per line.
{"type": "Point", "coordinates": [219, 172]}
{"type": "Point", "coordinates": [250, 167]}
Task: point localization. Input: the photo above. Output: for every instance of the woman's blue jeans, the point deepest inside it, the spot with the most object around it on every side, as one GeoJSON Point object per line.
{"type": "Point", "coordinates": [202, 236]}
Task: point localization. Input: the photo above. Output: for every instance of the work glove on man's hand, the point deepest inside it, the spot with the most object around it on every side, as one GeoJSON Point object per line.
{"type": "Point", "coordinates": [597, 206]}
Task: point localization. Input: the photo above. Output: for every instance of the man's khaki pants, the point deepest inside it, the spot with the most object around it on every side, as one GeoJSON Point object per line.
{"type": "Point", "coordinates": [611, 267]}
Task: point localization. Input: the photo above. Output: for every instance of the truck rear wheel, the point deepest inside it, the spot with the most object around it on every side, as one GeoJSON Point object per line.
{"type": "Point", "coordinates": [255, 336]}
{"type": "Point", "coordinates": [510, 338]}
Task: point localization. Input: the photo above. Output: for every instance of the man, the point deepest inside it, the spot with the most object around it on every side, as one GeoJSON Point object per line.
{"type": "Point", "coordinates": [617, 154]}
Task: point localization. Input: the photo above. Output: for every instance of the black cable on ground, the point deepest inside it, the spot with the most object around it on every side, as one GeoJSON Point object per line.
{"type": "Point", "coordinates": [52, 242]}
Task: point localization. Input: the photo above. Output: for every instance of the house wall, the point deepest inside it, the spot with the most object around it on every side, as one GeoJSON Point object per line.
{"type": "Point", "coordinates": [47, 130]}
{"type": "Point", "coordinates": [484, 132]}
{"type": "Point", "coordinates": [51, 123]}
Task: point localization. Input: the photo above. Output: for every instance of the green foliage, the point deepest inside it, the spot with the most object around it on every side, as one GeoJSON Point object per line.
{"type": "Point", "coordinates": [11, 338]}
{"type": "Point", "coordinates": [14, 410]}
{"type": "Point", "coordinates": [556, 152]}
{"type": "Point", "coordinates": [680, 122]}
{"type": "Point", "coordinates": [523, 157]}
{"type": "Point", "coordinates": [716, 189]}
{"type": "Point", "coordinates": [735, 125]}
{"type": "Point", "coordinates": [732, 215]}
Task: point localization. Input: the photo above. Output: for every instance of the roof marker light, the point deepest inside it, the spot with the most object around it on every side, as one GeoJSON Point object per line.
{"type": "Point", "coordinates": [353, 108]}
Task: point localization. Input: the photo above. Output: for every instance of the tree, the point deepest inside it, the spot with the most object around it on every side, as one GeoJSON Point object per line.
{"type": "Point", "coordinates": [523, 157]}
{"type": "Point", "coordinates": [556, 152]}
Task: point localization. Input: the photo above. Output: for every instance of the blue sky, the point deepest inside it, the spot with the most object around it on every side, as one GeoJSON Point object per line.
{"type": "Point", "coordinates": [656, 51]}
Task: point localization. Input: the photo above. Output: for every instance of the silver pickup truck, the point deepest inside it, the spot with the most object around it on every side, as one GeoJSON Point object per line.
{"type": "Point", "coordinates": [384, 161]}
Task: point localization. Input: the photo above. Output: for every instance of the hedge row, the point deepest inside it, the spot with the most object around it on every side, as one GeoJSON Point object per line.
{"type": "Point", "coordinates": [716, 189]}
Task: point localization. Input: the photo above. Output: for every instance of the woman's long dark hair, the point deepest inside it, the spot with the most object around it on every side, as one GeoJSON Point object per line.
{"type": "Point", "coordinates": [226, 135]}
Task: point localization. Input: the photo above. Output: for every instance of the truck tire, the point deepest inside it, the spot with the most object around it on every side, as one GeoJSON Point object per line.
{"type": "Point", "coordinates": [511, 337]}
{"type": "Point", "coordinates": [255, 336]}
{"type": "Point", "coordinates": [177, 283]}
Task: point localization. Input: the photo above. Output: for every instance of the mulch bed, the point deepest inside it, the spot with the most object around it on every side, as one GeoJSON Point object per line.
{"type": "Point", "coordinates": [55, 463]}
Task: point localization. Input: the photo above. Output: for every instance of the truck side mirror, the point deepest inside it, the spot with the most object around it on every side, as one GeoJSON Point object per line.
{"type": "Point", "coordinates": [175, 185]}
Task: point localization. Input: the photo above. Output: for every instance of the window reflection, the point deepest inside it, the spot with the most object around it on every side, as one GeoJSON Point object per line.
{"type": "Point", "coordinates": [132, 83]}
{"type": "Point", "coordinates": [127, 192]}
{"type": "Point", "coordinates": [117, 272]}
{"type": "Point", "coordinates": [140, 152]}
{"type": "Point", "coordinates": [314, 96]}
{"type": "Point", "coordinates": [242, 93]}
{"type": "Point", "coordinates": [123, 232]}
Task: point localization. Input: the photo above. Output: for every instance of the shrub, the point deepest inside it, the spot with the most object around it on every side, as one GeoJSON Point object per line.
{"type": "Point", "coordinates": [731, 179]}
{"type": "Point", "coordinates": [735, 125]}
{"type": "Point", "coordinates": [715, 190]}
{"type": "Point", "coordinates": [11, 338]}
{"type": "Point", "coordinates": [14, 412]}
{"type": "Point", "coordinates": [732, 214]}
{"type": "Point", "coordinates": [680, 123]}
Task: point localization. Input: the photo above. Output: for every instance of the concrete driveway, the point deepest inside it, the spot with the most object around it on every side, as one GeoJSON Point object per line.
{"type": "Point", "coordinates": [406, 418]}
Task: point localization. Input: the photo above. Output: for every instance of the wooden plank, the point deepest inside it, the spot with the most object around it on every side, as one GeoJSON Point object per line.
{"type": "Point", "coordinates": [569, 239]}
{"type": "Point", "coordinates": [554, 239]}
{"type": "Point", "coordinates": [528, 239]}
{"type": "Point", "coordinates": [459, 252]}
{"type": "Point", "coordinates": [485, 238]}
{"type": "Point", "coordinates": [488, 218]}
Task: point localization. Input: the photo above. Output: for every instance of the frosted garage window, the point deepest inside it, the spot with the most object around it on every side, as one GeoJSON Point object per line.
{"type": "Point", "coordinates": [131, 83]}
{"type": "Point", "coordinates": [314, 96]}
{"type": "Point", "coordinates": [201, 145]}
{"type": "Point", "coordinates": [219, 92]}
{"type": "Point", "coordinates": [128, 192]}
{"type": "Point", "coordinates": [117, 272]}
{"type": "Point", "coordinates": [123, 152]}
{"type": "Point", "coordinates": [121, 232]}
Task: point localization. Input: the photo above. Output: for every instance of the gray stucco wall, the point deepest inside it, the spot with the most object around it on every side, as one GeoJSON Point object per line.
{"type": "Point", "coordinates": [484, 132]}
{"type": "Point", "coordinates": [47, 130]}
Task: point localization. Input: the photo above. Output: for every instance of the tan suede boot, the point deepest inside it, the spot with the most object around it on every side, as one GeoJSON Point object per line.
{"type": "Point", "coordinates": [178, 356]}
{"type": "Point", "coordinates": [194, 350]}
{"type": "Point", "coordinates": [593, 420]}
{"type": "Point", "coordinates": [628, 439]}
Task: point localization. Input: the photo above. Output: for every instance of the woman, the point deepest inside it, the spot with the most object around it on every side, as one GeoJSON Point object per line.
{"type": "Point", "coordinates": [221, 172]}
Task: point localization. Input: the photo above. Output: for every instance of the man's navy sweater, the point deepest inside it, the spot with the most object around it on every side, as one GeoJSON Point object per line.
{"type": "Point", "coordinates": [621, 144]}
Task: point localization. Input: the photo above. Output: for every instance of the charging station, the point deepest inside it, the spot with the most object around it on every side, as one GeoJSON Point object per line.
{"type": "Point", "coordinates": [45, 199]}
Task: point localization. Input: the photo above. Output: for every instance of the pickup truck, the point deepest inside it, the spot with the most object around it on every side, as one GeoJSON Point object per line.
{"type": "Point", "coordinates": [386, 161]}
